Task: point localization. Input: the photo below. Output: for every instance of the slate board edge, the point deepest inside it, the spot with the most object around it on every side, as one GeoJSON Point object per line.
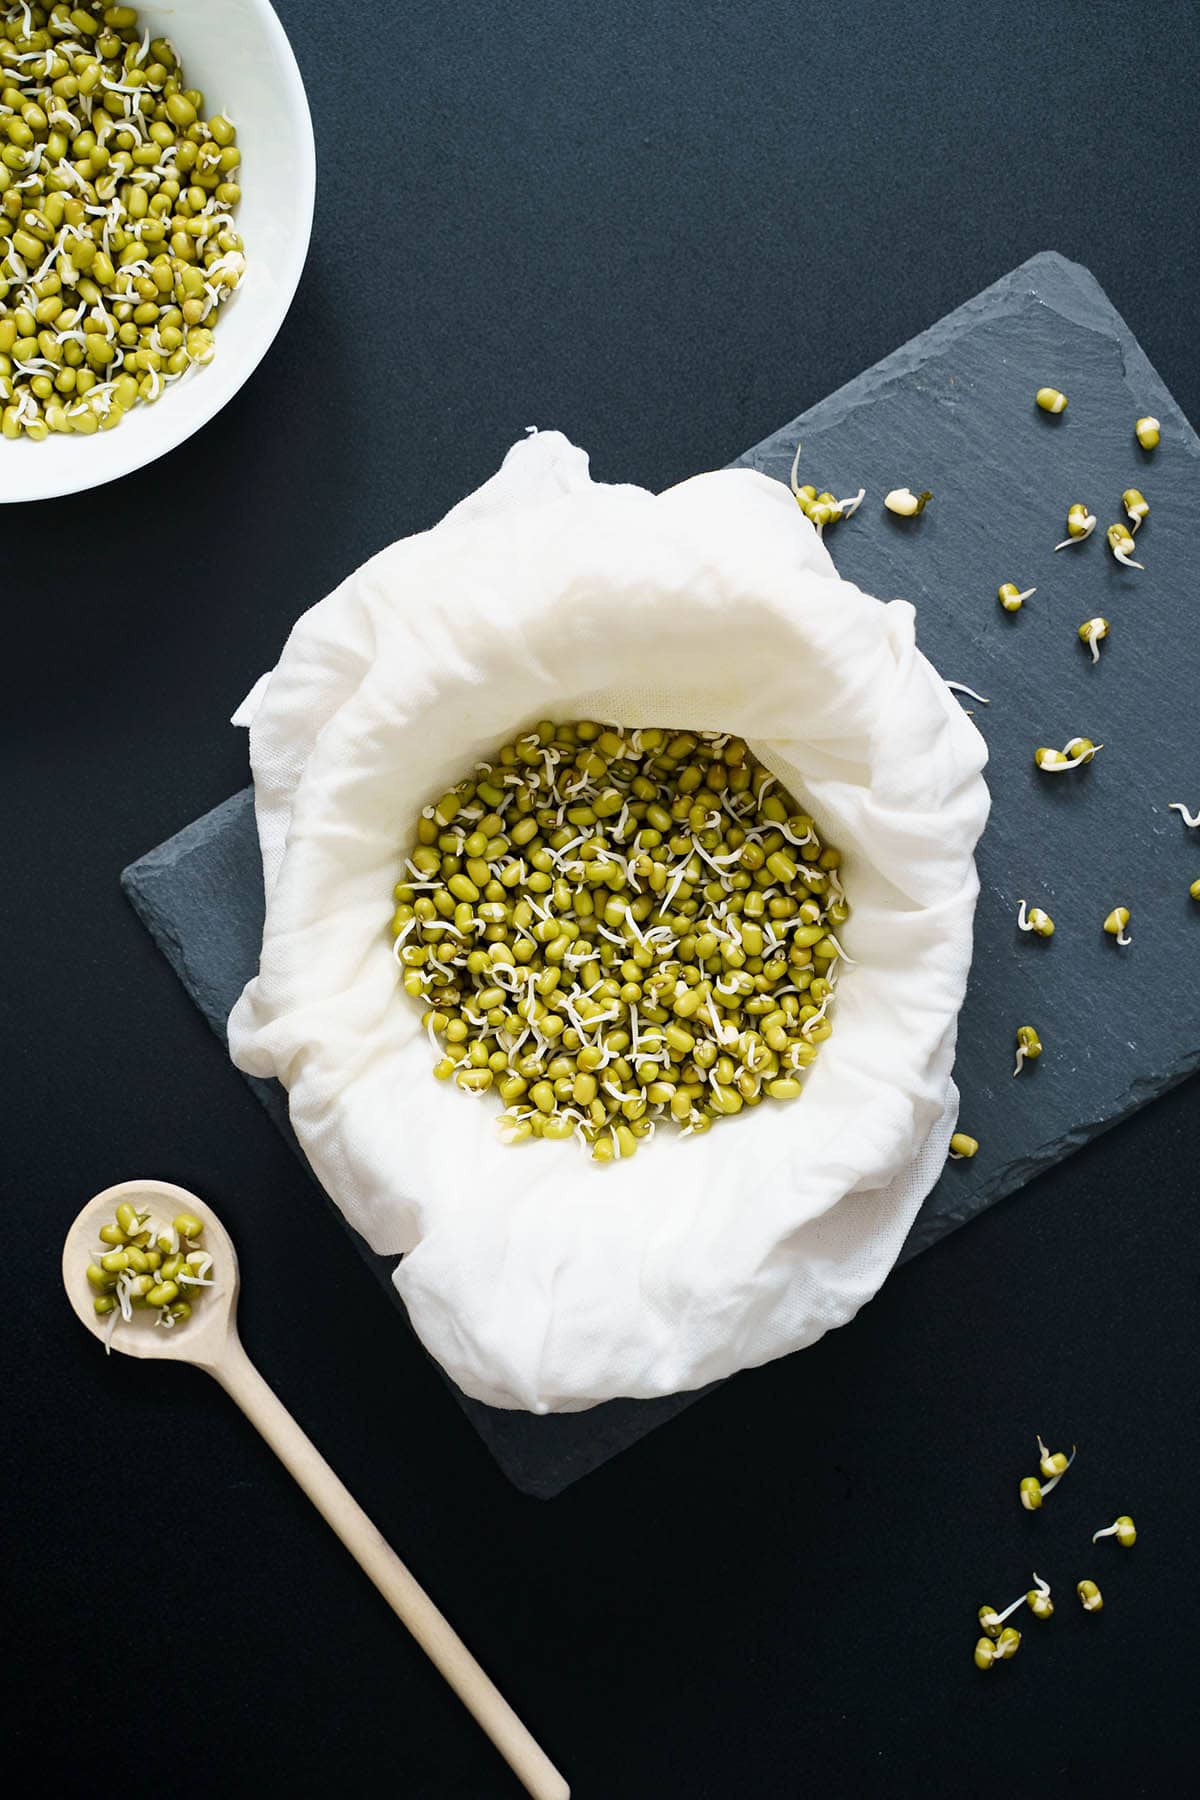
{"type": "Point", "coordinates": [1049, 277]}
{"type": "Point", "coordinates": [1052, 280]}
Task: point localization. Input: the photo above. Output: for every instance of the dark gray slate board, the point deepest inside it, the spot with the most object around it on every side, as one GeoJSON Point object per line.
{"type": "Point", "coordinates": [952, 411]}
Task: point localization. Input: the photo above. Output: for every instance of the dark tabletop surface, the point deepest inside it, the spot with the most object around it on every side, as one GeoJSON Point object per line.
{"type": "Point", "coordinates": [664, 229]}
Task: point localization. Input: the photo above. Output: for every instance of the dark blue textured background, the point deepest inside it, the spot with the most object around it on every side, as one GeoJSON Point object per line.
{"type": "Point", "coordinates": [663, 228]}
{"type": "Point", "coordinates": [954, 403]}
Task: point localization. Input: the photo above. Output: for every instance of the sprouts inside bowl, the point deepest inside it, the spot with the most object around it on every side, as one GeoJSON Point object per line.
{"type": "Point", "coordinates": [236, 51]}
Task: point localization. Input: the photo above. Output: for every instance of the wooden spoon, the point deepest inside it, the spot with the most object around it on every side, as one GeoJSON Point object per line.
{"type": "Point", "coordinates": [209, 1339]}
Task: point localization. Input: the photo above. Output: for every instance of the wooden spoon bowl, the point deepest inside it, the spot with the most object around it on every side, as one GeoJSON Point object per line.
{"type": "Point", "coordinates": [205, 1338]}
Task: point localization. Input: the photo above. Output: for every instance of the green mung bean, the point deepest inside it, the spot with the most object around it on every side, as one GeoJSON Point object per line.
{"type": "Point", "coordinates": [132, 1276]}
{"type": "Point", "coordinates": [103, 206]}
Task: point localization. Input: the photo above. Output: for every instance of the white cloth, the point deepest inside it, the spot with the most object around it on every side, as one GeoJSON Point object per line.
{"type": "Point", "coordinates": [537, 1279]}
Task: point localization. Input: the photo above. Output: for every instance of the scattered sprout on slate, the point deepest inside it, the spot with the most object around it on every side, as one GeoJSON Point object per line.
{"type": "Point", "coordinates": [1115, 924]}
{"type": "Point", "coordinates": [1080, 525]}
{"type": "Point", "coordinates": [145, 1264]}
{"type": "Point", "coordinates": [827, 510]}
{"type": "Point", "coordinates": [1123, 1529]}
{"type": "Point", "coordinates": [1029, 1048]}
{"type": "Point", "coordinates": [1090, 1595]}
{"type": "Point", "coordinates": [1190, 819]}
{"type": "Point", "coordinates": [1054, 1464]}
{"type": "Point", "coordinates": [1035, 920]}
{"type": "Point", "coordinates": [1051, 400]}
{"type": "Point", "coordinates": [1074, 753]}
{"type": "Point", "coordinates": [1091, 632]}
{"type": "Point", "coordinates": [1121, 543]}
{"type": "Point", "coordinates": [1147, 432]}
{"type": "Point", "coordinates": [615, 928]}
{"type": "Point", "coordinates": [1194, 890]}
{"type": "Point", "coordinates": [1136, 505]}
{"type": "Point", "coordinates": [905, 504]}
{"type": "Point", "coordinates": [822, 509]}
{"type": "Point", "coordinates": [962, 1146]}
{"type": "Point", "coordinates": [960, 687]}
{"type": "Point", "coordinates": [1010, 598]}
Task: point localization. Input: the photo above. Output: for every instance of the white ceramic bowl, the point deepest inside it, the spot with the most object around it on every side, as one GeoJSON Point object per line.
{"type": "Point", "coordinates": [236, 51]}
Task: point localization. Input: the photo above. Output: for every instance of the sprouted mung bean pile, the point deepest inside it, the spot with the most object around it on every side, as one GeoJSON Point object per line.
{"type": "Point", "coordinates": [615, 929]}
{"type": "Point", "coordinates": [147, 1265]}
{"type": "Point", "coordinates": [117, 238]}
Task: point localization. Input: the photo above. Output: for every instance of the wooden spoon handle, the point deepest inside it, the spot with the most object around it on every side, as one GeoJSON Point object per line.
{"type": "Point", "coordinates": [407, 1599]}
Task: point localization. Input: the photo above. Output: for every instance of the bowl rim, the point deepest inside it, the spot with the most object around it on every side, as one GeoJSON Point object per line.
{"type": "Point", "coordinates": [136, 455]}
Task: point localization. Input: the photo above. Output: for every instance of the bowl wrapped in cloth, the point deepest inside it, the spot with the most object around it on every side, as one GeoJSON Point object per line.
{"type": "Point", "coordinates": [537, 1278]}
